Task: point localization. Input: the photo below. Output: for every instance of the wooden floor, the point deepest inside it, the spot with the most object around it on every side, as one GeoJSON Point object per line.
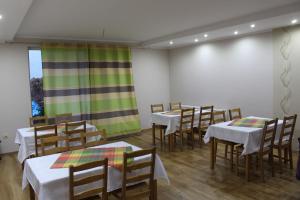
{"type": "Point", "coordinates": [190, 176]}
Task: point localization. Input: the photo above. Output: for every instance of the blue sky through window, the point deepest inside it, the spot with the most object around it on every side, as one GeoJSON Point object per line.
{"type": "Point", "coordinates": [35, 63]}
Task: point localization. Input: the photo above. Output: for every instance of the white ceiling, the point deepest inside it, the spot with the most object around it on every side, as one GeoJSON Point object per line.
{"type": "Point", "coordinates": [13, 12]}
{"type": "Point", "coordinates": [151, 23]}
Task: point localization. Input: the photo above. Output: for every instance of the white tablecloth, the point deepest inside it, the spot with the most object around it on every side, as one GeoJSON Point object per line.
{"type": "Point", "coordinates": [25, 138]}
{"type": "Point", "coordinates": [249, 137]}
{"type": "Point", "coordinates": [172, 121]}
{"type": "Point", "coordinates": [50, 184]}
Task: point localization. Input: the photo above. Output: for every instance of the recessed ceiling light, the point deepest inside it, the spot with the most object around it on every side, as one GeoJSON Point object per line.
{"type": "Point", "coordinates": [236, 32]}
{"type": "Point", "coordinates": [252, 25]}
{"type": "Point", "coordinates": [196, 40]}
{"type": "Point", "coordinates": [205, 35]}
{"type": "Point", "coordinates": [1, 16]}
{"type": "Point", "coordinates": [171, 42]}
{"type": "Point", "coordinates": [294, 21]}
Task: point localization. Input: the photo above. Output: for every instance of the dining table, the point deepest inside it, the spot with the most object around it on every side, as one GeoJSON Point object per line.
{"type": "Point", "coordinates": [53, 183]}
{"type": "Point", "coordinates": [249, 137]}
{"type": "Point", "coordinates": [171, 120]}
{"type": "Point", "coordinates": [25, 139]}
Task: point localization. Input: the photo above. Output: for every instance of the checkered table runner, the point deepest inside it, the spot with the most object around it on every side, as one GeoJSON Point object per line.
{"type": "Point", "coordinates": [248, 122]}
{"type": "Point", "coordinates": [82, 156]}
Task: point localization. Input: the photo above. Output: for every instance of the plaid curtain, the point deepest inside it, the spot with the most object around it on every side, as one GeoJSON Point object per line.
{"type": "Point", "coordinates": [94, 83]}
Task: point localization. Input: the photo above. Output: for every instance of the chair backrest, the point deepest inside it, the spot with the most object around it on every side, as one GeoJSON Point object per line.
{"type": "Point", "coordinates": [219, 117]}
{"type": "Point", "coordinates": [54, 144]}
{"type": "Point", "coordinates": [206, 117]}
{"type": "Point", "coordinates": [90, 178]}
{"type": "Point", "coordinates": [175, 106]}
{"type": "Point", "coordinates": [38, 121]}
{"type": "Point", "coordinates": [95, 138]}
{"type": "Point", "coordinates": [73, 132]}
{"type": "Point", "coordinates": [157, 108]}
{"type": "Point", "coordinates": [235, 113]}
{"type": "Point", "coordinates": [43, 132]}
{"type": "Point", "coordinates": [147, 174]}
{"type": "Point", "coordinates": [268, 135]}
{"type": "Point", "coordinates": [63, 118]}
{"type": "Point", "coordinates": [288, 128]}
{"type": "Point", "coordinates": [187, 120]}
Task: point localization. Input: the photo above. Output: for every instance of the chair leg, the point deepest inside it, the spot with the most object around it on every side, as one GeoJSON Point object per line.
{"type": "Point", "coordinates": [226, 151]}
{"type": "Point", "coordinates": [285, 155]}
{"type": "Point", "coordinates": [200, 138]}
{"type": "Point", "coordinates": [291, 156]}
{"type": "Point", "coordinates": [231, 156]}
{"type": "Point", "coordinates": [272, 163]}
{"type": "Point", "coordinates": [247, 167]}
{"type": "Point", "coordinates": [280, 159]}
{"type": "Point", "coordinates": [153, 134]}
{"type": "Point", "coordinates": [261, 164]}
{"type": "Point", "coordinates": [193, 140]}
{"type": "Point", "coordinates": [161, 138]}
{"type": "Point", "coordinates": [237, 162]}
{"type": "Point", "coordinates": [181, 141]}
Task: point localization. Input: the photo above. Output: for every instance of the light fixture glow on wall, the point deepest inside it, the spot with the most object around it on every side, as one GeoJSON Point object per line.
{"type": "Point", "coordinates": [236, 32]}
{"type": "Point", "coordinates": [196, 40]}
{"type": "Point", "coordinates": [252, 25]}
{"type": "Point", "coordinates": [171, 42]}
{"type": "Point", "coordinates": [205, 35]}
{"type": "Point", "coordinates": [294, 21]}
{"type": "Point", "coordinates": [1, 17]}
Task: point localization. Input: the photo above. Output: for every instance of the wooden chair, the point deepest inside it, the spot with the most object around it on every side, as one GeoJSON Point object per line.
{"type": "Point", "coordinates": [219, 117]}
{"type": "Point", "coordinates": [175, 106]}
{"type": "Point", "coordinates": [266, 148]}
{"type": "Point", "coordinates": [146, 185]}
{"type": "Point", "coordinates": [94, 178]}
{"type": "Point", "coordinates": [154, 109]}
{"type": "Point", "coordinates": [186, 126]}
{"type": "Point", "coordinates": [235, 113]}
{"type": "Point", "coordinates": [205, 120]}
{"type": "Point", "coordinates": [38, 121]}
{"type": "Point", "coordinates": [73, 132]}
{"type": "Point", "coordinates": [63, 118]}
{"type": "Point", "coordinates": [43, 132]}
{"type": "Point", "coordinates": [285, 141]}
{"type": "Point", "coordinates": [95, 138]}
{"type": "Point", "coordinates": [50, 145]}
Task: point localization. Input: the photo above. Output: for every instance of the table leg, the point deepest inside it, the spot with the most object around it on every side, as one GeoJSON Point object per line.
{"type": "Point", "coordinates": [31, 192]}
{"type": "Point", "coordinates": [212, 153]}
{"type": "Point", "coordinates": [247, 167]}
{"type": "Point", "coordinates": [169, 142]}
{"type": "Point", "coordinates": [154, 190]}
{"type": "Point", "coordinates": [153, 133]}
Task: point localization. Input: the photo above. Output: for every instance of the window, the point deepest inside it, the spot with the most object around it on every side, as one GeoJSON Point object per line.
{"type": "Point", "coordinates": [36, 82]}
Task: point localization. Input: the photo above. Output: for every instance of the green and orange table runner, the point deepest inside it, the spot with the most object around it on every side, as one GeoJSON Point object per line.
{"type": "Point", "coordinates": [249, 122]}
{"type": "Point", "coordinates": [82, 156]}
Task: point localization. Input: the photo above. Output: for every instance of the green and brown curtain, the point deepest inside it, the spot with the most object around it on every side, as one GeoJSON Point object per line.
{"type": "Point", "coordinates": [93, 82]}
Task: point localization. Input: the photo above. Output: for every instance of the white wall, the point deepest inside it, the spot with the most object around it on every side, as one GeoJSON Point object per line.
{"type": "Point", "coordinates": [230, 73]}
{"type": "Point", "coordinates": [286, 73]}
{"type": "Point", "coordinates": [151, 80]}
{"type": "Point", "coordinates": [15, 93]}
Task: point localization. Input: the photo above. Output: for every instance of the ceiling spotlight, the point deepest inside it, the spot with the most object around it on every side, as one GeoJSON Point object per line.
{"type": "Point", "coordinates": [171, 42]}
{"type": "Point", "coordinates": [252, 25]}
{"type": "Point", "coordinates": [294, 21]}
{"type": "Point", "coordinates": [1, 16]}
{"type": "Point", "coordinates": [196, 40]}
{"type": "Point", "coordinates": [236, 32]}
{"type": "Point", "coordinates": [205, 35]}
